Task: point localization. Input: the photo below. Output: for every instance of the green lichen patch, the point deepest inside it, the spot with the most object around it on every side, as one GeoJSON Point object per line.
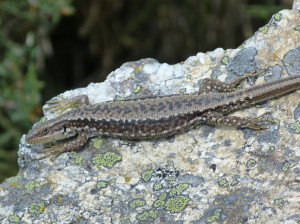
{"type": "Point", "coordinates": [30, 185]}
{"type": "Point", "coordinates": [36, 208]}
{"type": "Point", "coordinates": [250, 163]}
{"type": "Point", "coordinates": [223, 182]}
{"type": "Point", "coordinates": [285, 166]}
{"type": "Point", "coordinates": [108, 159]}
{"type": "Point", "coordinates": [137, 89]}
{"type": "Point", "coordinates": [148, 215]}
{"type": "Point", "coordinates": [234, 182]}
{"type": "Point", "coordinates": [177, 204]}
{"type": "Point", "coordinates": [178, 189]}
{"type": "Point", "coordinates": [102, 184]}
{"type": "Point", "coordinates": [13, 180]}
{"type": "Point", "coordinates": [297, 28]}
{"type": "Point", "coordinates": [158, 203]}
{"type": "Point", "coordinates": [277, 17]}
{"type": "Point", "coordinates": [147, 175]}
{"type": "Point", "coordinates": [97, 142]}
{"type": "Point", "coordinates": [278, 201]}
{"type": "Point", "coordinates": [272, 148]}
{"type": "Point", "coordinates": [215, 216]}
{"type": "Point", "coordinates": [162, 196]}
{"type": "Point", "coordinates": [182, 91]}
{"type": "Point", "coordinates": [157, 186]}
{"type": "Point", "coordinates": [14, 219]}
{"type": "Point", "coordinates": [296, 127]}
{"type": "Point", "coordinates": [225, 60]}
{"type": "Point", "coordinates": [136, 203]}
{"type": "Point", "coordinates": [76, 159]}
{"type": "Point", "coordinates": [264, 29]}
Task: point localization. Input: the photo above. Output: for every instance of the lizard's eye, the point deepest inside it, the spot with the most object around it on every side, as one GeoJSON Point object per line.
{"type": "Point", "coordinates": [45, 131]}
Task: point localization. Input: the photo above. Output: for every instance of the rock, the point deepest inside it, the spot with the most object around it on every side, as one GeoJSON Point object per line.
{"type": "Point", "coordinates": [209, 174]}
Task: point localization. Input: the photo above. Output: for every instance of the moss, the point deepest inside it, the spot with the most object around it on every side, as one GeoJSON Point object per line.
{"type": "Point", "coordinates": [146, 175]}
{"type": "Point", "coordinates": [108, 159]}
{"type": "Point", "coordinates": [136, 203]}
{"type": "Point", "coordinates": [36, 208]}
{"type": "Point", "coordinates": [178, 189]}
{"type": "Point", "coordinates": [14, 219]}
{"type": "Point", "coordinates": [177, 204]}
{"type": "Point", "coordinates": [147, 215]}
{"type": "Point", "coordinates": [102, 184]}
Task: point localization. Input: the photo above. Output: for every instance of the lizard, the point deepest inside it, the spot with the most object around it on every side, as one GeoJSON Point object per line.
{"type": "Point", "coordinates": [156, 116]}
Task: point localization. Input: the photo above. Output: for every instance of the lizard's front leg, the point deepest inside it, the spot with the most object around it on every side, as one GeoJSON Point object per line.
{"type": "Point", "coordinates": [72, 145]}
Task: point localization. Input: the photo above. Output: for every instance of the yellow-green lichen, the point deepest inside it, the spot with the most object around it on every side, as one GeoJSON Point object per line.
{"type": "Point", "coordinates": [30, 185]}
{"type": "Point", "coordinates": [97, 142]}
{"type": "Point", "coordinates": [177, 204]}
{"type": "Point", "coordinates": [234, 182]}
{"type": "Point", "coordinates": [108, 159]}
{"type": "Point", "coordinates": [225, 60]}
{"type": "Point", "coordinates": [272, 148]}
{"type": "Point", "coordinates": [296, 127]}
{"type": "Point", "coordinates": [178, 189]}
{"type": "Point", "coordinates": [264, 29]}
{"type": "Point", "coordinates": [146, 175]}
{"type": "Point", "coordinates": [223, 182]}
{"type": "Point", "coordinates": [14, 219]}
{"type": "Point", "coordinates": [250, 163]}
{"type": "Point", "coordinates": [136, 203]}
{"type": "Point", "coordinates": [102, 184]}
{"type": "Point", "coordinates": [147, 215]}
{"type": "Point", "coordinates": [157, 186]}
{"type": "Point", "coordinates": [182, 91]}
{"type": "Point", "coordinates": [137, 89]}
{"type": "Point", "coordinates": [76, 159]}
{"type": "Point", "coordinates": [277, 17]}
{"type": "Point", "coordinates": [162, 196]}
{"type": "Point", "coordinates": [286, 166]}
{"type": "Point", "coordinates": [36, 208]}
{"type": "Point", "coordinates": [215, 216]}
{"type": "Point", "coordinates": [278, 201]}
{"type": "Point", "coordinates": [158, 203]}
{"type": "Point", "coordinates": [297, 28]}
{"type": "Point", "coordinates": [13, 180]}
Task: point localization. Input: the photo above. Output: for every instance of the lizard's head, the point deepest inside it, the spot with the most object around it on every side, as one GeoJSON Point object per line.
{"type": "Point", "coordinates": [49, 131]}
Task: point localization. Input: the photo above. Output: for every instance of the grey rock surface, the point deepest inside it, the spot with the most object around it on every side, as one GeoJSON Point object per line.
{"type": "Point", "coordinates": [207, 175]}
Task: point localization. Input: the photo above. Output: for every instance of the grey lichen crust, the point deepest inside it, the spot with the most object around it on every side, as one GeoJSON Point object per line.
{"type": "Point", "coordinates": [207, 175]}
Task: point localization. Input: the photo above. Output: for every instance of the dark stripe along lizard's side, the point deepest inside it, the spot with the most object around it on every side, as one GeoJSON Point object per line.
{"type": "Point", "coordinates": [158, 116]}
